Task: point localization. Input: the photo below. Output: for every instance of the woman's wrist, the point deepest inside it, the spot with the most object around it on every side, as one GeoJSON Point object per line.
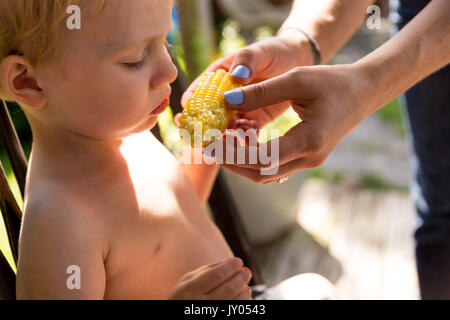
{"type": "Point", "coordinates": [299, 47]}
{"type": "Point", "coordinates": [313, 45]}
{"type": "Point", "coordinates": [369, 83]}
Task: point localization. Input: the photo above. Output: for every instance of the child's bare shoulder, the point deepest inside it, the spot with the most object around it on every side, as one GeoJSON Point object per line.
{"type": "Point", "coordinates": [60, 231]}
{"type": "Point", "coordinates": [57, 211]}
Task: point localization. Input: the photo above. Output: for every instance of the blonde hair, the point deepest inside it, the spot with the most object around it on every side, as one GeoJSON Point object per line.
{"type": "Point", "coordinates": [34, 26]}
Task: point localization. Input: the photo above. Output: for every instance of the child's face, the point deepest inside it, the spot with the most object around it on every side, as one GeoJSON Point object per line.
{"type": "Point", "coordinates": [114, 72]}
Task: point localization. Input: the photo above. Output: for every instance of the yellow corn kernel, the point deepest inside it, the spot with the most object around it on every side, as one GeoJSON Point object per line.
{"type": "Point", "coordinates": [206, 108]}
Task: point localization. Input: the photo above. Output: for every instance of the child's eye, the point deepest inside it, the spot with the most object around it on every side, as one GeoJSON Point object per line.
{"type": "Point", "coordinates": [135, 65]}
{"type": "Point", "coordinates": [139, 64]}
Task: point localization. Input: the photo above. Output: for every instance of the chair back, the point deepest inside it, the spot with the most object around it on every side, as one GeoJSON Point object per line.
{"type": "Point", "coordinates": [9, 207]}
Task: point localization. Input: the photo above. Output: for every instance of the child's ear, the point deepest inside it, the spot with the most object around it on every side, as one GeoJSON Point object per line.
{"type": "Point", "coordinates": [17, 78]}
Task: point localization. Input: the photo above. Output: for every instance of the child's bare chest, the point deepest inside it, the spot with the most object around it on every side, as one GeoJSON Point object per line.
{"type": "Point", "coordinates": [167, 235]}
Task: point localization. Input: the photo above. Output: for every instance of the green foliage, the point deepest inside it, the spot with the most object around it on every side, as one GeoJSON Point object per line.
{"type": "Point", "coordinates": [373, 181]}
{"type": "Point", "coordinates": [231, 39]}
{"type": "Point", "coordinates": [20, 122]}
{"type": "Point", "coordinates": [23, 130]}
{"type": "Point", "coordinates": [391, 114]}
{"type": "Point", "coordinates": [334, 176]}
{"type": "Point", "coordinates": [4, 243]}
{"type": "Point", "coordinates": [169, 132]}
{"type": "Point", "coordinates": [279, 126]}
{"type": "Point", "coordinates": [264, 32]}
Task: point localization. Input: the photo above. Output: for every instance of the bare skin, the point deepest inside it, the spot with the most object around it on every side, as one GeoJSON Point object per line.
{"type": "Point", "coordinates": [136, 228]}
{"type": "Point", "coordinates": [101, 192]}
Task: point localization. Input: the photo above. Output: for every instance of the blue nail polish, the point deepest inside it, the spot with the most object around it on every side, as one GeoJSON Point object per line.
{"type": "Point", "coordinates": [241, 71]}
{"type": "Point", "coordinates": [208, 154]}
{"type": "Point", "coordinates": [235, 97]}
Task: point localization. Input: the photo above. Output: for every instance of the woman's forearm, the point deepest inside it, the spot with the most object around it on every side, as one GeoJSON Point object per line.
{"type": "Point", "coordinates": [330, 22]}
{"type": "Point", "coordinates": [419, 49]}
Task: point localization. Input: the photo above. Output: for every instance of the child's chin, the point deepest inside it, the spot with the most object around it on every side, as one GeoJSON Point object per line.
{"type": "Point", "coordinates": [146, 125]}
{"type": "Point", "coordinates": [149, 124]}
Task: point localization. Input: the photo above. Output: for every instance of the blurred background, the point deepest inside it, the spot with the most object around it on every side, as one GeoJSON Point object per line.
{"type": "Point", "coordinates": [350, 220]}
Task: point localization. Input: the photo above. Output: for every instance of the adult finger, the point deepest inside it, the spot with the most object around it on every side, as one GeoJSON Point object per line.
{"type": "Point", "coordinates": [293, 145]}
{"type": "Point", "coordinates": [263, 94]}
{"type": "Point", "coordinates": [245, 64]}
{"type": "Point", "coordinates": [283, 171]}
{"type": "Point", "coordinates": [290, 168]}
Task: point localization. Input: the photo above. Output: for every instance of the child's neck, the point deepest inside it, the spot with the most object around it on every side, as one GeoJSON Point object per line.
{"type": "Point", "coordinates": [62, 151]}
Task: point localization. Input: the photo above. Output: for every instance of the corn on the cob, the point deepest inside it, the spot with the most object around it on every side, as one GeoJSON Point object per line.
{"type": "Point", "coordinates": [206, 108]}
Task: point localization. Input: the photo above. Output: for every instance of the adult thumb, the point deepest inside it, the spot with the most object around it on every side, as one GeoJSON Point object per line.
{"type": "Point", "coordinates": [245, 65]}
{"type": "Point", "coordinates": [263, 94]}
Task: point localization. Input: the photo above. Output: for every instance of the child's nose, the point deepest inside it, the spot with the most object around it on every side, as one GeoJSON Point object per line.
{"type": "Point", "coordinates": [167, 73]}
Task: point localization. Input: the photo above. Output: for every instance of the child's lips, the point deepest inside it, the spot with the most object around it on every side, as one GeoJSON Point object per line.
{"type": "Point", "coordinates": [159, 109]}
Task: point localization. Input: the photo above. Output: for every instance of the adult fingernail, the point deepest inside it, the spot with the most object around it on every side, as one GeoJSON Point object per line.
{"type": "Point", "coordinates": [241, 72]}
{"type": "Point", "coordinates": [208, 154]}
{"type": "Point", "coordinates": [235, 97]}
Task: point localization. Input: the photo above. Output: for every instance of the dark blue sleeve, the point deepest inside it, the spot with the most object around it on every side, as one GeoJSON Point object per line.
{"type": "Point", "coordinates": [408, 9]}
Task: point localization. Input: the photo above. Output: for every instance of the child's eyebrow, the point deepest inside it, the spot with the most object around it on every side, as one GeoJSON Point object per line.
{"type": "Point", "coordinates": [117, 47]}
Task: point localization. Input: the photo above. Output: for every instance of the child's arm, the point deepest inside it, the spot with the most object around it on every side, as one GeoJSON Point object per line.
{"type": "Point", "coordinates": [61, 256]}
{"type": "Point", "coordinates": [202, 175]}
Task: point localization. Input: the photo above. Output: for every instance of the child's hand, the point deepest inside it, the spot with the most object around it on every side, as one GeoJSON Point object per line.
{"type": "Point", "coordinates": [225, 280]}
{"type": "Point", "coordinates": [238, 122]}
{"type": "Point", "coordinates": [241, 122]}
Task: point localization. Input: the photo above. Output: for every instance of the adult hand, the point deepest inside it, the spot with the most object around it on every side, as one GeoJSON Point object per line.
{"type": "Point", "coordinates": [330, 100]}
{"type": "Point", "coordinates": [260, 61]}
{"type": "Point", "coordinates": [236, 123]}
